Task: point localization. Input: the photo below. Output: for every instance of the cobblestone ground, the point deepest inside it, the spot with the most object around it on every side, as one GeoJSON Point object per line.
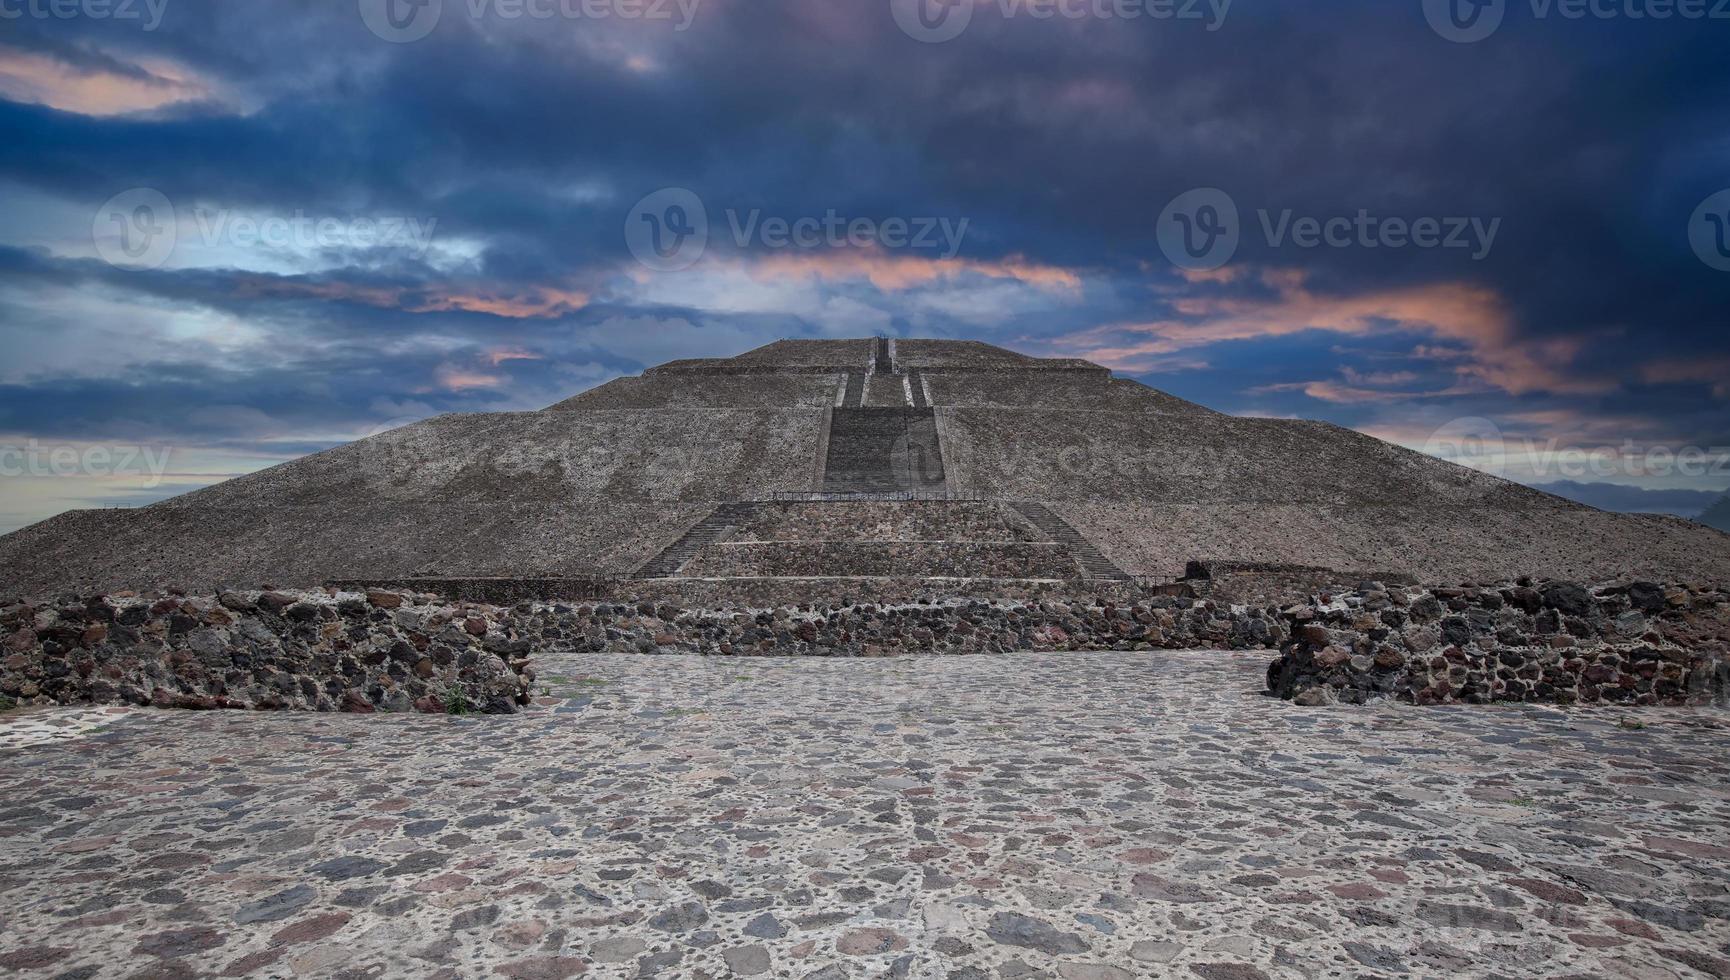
{"type": "Point", "coordinates": [1072, 816]}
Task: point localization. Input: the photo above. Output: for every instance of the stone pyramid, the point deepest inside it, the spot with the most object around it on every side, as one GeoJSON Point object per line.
{"type": "Point", "coordinates": [837, 464]}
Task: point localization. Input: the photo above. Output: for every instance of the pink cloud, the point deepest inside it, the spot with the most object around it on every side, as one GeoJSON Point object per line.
{"type": "Point", "coordinates": [516, 303]}
{"type": "Point", "coordinates": [1472, 316]}
{"type": "Point", "coordinates": [1712, 371]}
{"type": "Point", "coordinates": [896, 272]}
{"type": "Point", "coordinates": [28, 76]}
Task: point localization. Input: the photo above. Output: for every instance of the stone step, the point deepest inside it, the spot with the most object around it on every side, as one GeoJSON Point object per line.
{"type": "Point", "coordinates": [855, 392]}
{"type": "Point", "coordinates": [705, 532]}
{"type": "Point", "coordinates": [916, 380]}
{"type": "Point", "coordinates": [878, 450]}
{"type": "Point", "coordinates": [1092, 562]}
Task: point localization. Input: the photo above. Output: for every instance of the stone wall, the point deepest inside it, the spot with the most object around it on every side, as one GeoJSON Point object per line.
{"type": "Point", "coordinates": [386, 651]}
{"type": "Point", "coordinates": [910, 559]}
{"type": "Point", "coordinates": [1552, 642]}
{"type": "Point", "coordinates": [949, 626]}
{"type": "Point", "coordinates": [886, 521]}
{"type": "Point", "coordinates": [264, 651]}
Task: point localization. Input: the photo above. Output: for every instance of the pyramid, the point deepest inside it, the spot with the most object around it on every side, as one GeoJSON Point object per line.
{"type": "Point", "coordinates": [835, 462]}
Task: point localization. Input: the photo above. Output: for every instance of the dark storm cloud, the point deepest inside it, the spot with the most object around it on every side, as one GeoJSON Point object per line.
{"type": "Point", "coordinates": [1589, 142]}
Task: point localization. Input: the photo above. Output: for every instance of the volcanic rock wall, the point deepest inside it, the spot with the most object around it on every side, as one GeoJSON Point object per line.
{"type": "Point", "coordinates": [1558, 642]}
{"type": "Point", "coordinates": [263, 651]}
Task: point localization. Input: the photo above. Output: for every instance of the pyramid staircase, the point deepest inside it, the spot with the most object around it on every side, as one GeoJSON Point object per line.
{"type": "Point", "coordinates": [883, 450]}
{"type": "Point", "coordinates": [1094, 565]}
{"type": "Point", "coordinates": [722, 520]}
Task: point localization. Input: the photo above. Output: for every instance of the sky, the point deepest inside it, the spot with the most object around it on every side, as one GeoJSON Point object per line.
{"type": "Point", "coordinates": [236, 233]}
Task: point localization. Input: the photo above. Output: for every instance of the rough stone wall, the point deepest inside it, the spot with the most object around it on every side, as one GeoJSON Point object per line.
{"type": "Point", "coordinates": [386, 651]}
{"type": "Point", "coordinates": [1555, 642]}
{"type": "Point", "coordinates": [794, 592]}
{"type": "Point", "coordinates": [950, 626]}
{"type": "Point", "coordinates": [206, 549]}
{"type": "Point", "coordinates": [692, 390]}
{"type": "Point", "coordinates": [879, 521]}
{"type": "Point", "coordinates": [1103, 456]}
{"type": "Point", "coordinates": [1054, 391]}
{"type": "Point", "coordinates": [263, 651]}
{"type": "Point", "coordinates": [1498, 540]}
{"type": "Point", "coordinates": [546, 458]}
{"type": "Point", "coordinates": [942, 559]}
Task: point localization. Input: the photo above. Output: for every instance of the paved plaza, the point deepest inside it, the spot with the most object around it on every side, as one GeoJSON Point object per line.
{"type": "Point", "coordinates": [1064, 815]}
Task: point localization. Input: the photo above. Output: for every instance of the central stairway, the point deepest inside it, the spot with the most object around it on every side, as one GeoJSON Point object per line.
{"type": "Point", "coordinates": [883, 450]}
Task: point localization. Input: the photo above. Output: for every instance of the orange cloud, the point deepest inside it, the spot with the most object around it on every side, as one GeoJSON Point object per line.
{"type": "Point", "coordinates": [263, 287]}
{"type": "Point", "coordinates": [453, 378]}
{"type": "Point", "coordinates": [1470, 315]}
{"type": "Point", "coordinates": [27, 76]}
{"type": "Point", "coordinates": [500, 355]}
{"type": "Point", "coordinates": [1712, 371]}
{"type": "Point", "coordinates": [894, 272]}
{"type": "Point", "coordinates": [1338, 394]}
{"type": "Point", "coordinates": [531, 302]}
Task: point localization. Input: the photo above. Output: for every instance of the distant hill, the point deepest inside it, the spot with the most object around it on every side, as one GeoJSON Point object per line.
{"type": "Point", "coordinates": [1717, 515]}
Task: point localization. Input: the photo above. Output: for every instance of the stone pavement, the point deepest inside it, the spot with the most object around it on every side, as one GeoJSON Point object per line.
{"type": "Point", "coordinates": [1069, 816]}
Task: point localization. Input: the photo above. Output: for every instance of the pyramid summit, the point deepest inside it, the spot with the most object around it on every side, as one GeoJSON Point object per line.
{"type": "Point", "coordinates": [829, 463]}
